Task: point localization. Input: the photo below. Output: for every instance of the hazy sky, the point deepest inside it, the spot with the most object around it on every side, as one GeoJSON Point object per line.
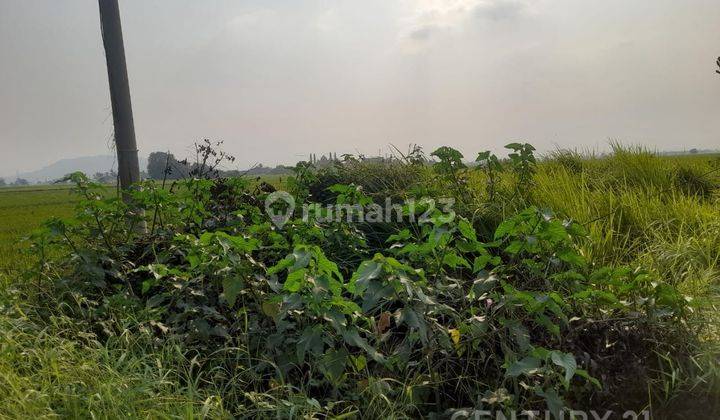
{"type": "Point", "coordinates": [280, 79]}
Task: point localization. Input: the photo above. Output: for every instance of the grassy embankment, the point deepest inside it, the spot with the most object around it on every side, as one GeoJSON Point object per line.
{"type": "Point", "coordinates": [640, 209]}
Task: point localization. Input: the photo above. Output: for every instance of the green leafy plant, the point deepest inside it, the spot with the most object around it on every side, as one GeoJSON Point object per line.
{"type": "Point", "coordinates": [491, 166]}
{"type": "Point", "coordinates": [340, 317]}
{"type": "Point", "coordinates": [523, 165]}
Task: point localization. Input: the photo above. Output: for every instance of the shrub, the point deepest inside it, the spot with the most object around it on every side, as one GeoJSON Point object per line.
{"type": "Point", "coordinates": [335, 317]}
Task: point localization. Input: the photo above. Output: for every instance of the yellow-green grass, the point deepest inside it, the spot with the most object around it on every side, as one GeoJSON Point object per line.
{"type": "Point", "coordinates": [46, 372]}
{"type": "Point", "coordinates": [22, 210]}
{"type": "Point", "coordinates": [641, 209]}
{"type": "Point", "coordinates": [638, 210]}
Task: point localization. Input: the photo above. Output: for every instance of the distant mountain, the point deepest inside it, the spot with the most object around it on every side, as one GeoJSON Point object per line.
{"type": "Point", "coordinates": [87, 164]}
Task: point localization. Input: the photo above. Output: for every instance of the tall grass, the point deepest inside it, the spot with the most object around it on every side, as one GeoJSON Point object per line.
{"type": "Point", "coordinates": [56, 370]}
{"type": "Point", "coordinates": [658, 212]}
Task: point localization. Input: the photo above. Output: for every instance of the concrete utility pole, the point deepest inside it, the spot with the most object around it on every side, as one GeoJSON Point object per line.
{"type": "Point", "coordinates": [127, 153]}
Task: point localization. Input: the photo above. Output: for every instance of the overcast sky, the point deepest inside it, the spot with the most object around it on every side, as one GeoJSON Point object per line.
{"type": "Point", "coordinates": [280, 79]}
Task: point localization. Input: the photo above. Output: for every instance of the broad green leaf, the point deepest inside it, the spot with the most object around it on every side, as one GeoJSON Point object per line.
{"type": "Point", "coordinates": [353, 338]}
{"type": "Point", "coordinates": [567, 362]}
{"type": "Point", "coordinates": [193, 259]}
{"type": "Point", "coordinates": [327, 266]}
{"type": "Point", "coordinates": [206, 238]}
{"type": "Point", "coordinates": [147, 284]}
{"type": "Point", "coordinates": [527, 366]}
{"type": "Point", "coordinates": [409, 317]}
{"type": "Point", "coordinates": [359, 362]}
{"type": "Point", "coordinates": [571, 257]}
{"type": "Point", "coordinates": [281, 265]}
{"type": "Point", "coordinates": [347, 307]}
{"type": "Point", "coordinates": [368, 270]}
{"type": "Point", "coordinates": [467, 230]}
{"type": "Point", "coordinates": [543, 320]}
{"type": "Point", "coordinates": [310, 341]}
{"type": "Point", "coordinates": [333, 364]}
{"type": "Point", "coordinates": [483, 284]}
{"type": "Point", "coordinates": [243, 244]}
{"type": "Point", "coordinates": [453, 260]}
{"type": "Point", "coordinates": [481, 261]}
{"type": "Point", "coordinates": [158, 270]}
{"type": "Point", "coordinates": [439, 237]}
{"type": "Point", "coordinates": [554, 403]}
{"type": "Point", "coordinates": [515, 247]}
{"type": "Point", "coordinates": [301, 257]}
{"type": "Point", "coordinates": [403, 235]}
{"type": "Point", "coordinates": [232, 286]}
{"type": "Point", "coordinates": [295, 280]}
{"type": "Point", "coordinates": [482, 156]}
{"type": "Point", "coordinates": [271, 308]}
{"type": "Point", "coordinates": [575, 229]}
{"type": "Point", "coordinates": [336, 319]}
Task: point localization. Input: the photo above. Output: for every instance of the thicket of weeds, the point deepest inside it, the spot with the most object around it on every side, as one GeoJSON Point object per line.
{"type": "Point", "coordinates": [574, 282]}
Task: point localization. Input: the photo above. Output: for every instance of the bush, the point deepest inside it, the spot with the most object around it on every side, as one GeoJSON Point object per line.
{"type": "Point", "coordinates": [334, 317]}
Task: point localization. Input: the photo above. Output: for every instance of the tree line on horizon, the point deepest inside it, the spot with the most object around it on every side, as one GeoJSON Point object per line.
{"type": "Point", "coordinates": [164, 165]}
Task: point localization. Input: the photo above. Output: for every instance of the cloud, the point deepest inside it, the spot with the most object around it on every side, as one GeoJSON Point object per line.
{"type": "Point", "coordinates": [425, 20]}
{"type": "Point", "coordinates": [499, 10]}
{"type": "Point", "coordinates": [422, 20]}
{"type": "Point", "coordinates": [423, 33]}
{"type": "Point", "coordinates": [440, 14]}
